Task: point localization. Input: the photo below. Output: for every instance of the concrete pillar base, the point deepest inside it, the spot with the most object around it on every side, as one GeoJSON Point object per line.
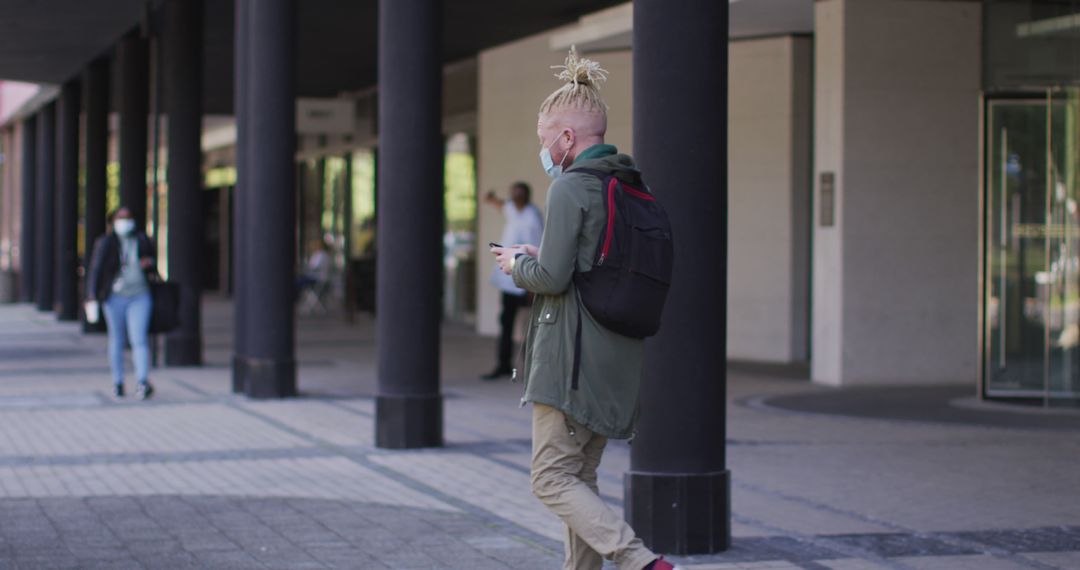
{"type": "Point", "coordinates": [268, 378]}
{"type": "Point", "coordinates": [183, 350]}
{"type": "Point", "coordinates": [408, 422]}
{"type": "Point", "coordinates": [690, 525]}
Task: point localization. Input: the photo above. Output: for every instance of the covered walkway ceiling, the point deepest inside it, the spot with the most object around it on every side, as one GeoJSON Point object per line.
{"type": "Point", "coordinates": [613, 29]}
{"type": "Point", "coordinates": [50, 41]}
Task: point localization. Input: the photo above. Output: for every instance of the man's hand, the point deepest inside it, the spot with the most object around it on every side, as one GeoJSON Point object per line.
{"type": "Point", "coordinates": [492, 199]}
{"type": "Point", "coordinates": [530, 250]}
{"type": "Point", "coordinates": [505, 257]}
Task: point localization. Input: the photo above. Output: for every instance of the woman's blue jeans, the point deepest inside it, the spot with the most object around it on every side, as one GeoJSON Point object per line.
{"type": "Point", "coordinates": [128, 319]}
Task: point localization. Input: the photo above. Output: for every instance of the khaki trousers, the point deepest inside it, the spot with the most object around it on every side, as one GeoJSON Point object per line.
{"type": "Point", "coordinates": [565, 457]}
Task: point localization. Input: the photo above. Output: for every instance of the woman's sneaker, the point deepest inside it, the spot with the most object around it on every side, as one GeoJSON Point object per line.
{"type": "Point", "coordinates": [144, 391]}
{"type": "Point", "coordinates": [118, 391]}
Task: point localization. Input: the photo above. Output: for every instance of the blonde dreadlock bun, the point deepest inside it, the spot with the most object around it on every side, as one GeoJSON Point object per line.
{"type": "Point", "coordinates": [582, 79]}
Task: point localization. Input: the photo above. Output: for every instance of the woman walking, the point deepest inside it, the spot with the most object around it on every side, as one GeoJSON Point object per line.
{"type": "Point", "coordinates": [117, 282]}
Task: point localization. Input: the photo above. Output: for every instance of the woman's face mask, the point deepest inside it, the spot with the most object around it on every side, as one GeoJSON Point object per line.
{"type": "Point", "coordinates": [553, 170]}
{"type": "Point", "coordinates": [124, 226]}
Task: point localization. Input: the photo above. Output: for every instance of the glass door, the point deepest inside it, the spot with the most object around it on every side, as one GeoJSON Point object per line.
{"type": "Point", "coordinates": [1032, 248]}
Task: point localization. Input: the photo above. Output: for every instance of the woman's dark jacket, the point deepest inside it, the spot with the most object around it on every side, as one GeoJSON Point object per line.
{"type": "Point", "coordinates": [105, 264]}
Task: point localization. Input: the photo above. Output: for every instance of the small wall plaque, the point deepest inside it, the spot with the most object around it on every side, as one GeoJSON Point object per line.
{"type": "Point", "coordinates": [828, 199]}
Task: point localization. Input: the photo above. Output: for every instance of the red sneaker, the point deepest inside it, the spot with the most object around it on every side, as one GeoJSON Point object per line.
{"type": "Point", "coordinates": [661, 564]}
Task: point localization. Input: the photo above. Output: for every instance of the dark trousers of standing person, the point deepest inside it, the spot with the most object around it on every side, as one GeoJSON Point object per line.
{"type": "Point", "coordinates": [511, 304]}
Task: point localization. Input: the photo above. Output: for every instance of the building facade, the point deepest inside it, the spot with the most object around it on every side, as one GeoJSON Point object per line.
{"type": "Point", "coordinates": [902, 184]}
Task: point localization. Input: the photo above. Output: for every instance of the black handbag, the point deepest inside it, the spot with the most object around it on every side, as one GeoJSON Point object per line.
{"type": "Point", "coordinates": [165, 313]}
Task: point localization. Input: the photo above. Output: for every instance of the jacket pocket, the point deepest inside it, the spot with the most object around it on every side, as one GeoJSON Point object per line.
{"type": "Point", "coordinates": [546, 343]}
{"type": "Point", "coordinates": [548, 316]}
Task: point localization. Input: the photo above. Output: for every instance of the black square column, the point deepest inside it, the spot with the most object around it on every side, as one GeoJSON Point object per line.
{"type": "Point", "coordinates": [133, 61]}
{"type": "Point", "coordinates": [96, 93]}
{"type": "Point", "coordinates": [408, 407]}
{"type": "Point", "coordinates": [183, 83]}
{"type": "Point", "coordinates": [28, 233]}
{"type": "Point", "coordinates": [268, 366]}
{"type": "Point", "coordinates": [67, 203]}
{"type": "Point", "coordinates": [45, 226]}
{"type": "Point", "coordinates": [677, 490]}
{"type": "Point", "coordinates": [239, 208]}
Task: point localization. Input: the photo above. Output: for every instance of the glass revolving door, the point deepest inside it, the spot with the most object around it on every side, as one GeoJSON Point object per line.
{"type": "Point", "coordinates": [1032, 247]}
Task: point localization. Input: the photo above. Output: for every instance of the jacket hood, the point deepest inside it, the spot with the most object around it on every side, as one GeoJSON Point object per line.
{"type": "Point", "coordinates": [622, 166]}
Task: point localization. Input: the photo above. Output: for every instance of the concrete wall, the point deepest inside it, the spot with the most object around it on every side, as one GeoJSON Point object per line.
{"type": "Point", "coordinates": [770, 171]}
{"type": "Point", "coordinates": [769, 199]}
{"type": "Point", "coordinates": [869, 99]}
{"type": "Point", "coordinates": [895, 286]}
{"type": "Point", "coordinates": [10, 204]}
{"type": "Point", "coordinates": [828, 261]}
{"type": "Point", "coordinates": [9, 249]}
{"type": "Point", "coordinates": [7, 197]}
{"type": "Point", "coordinates": [14, 96]}
{"type": "Point", "coordinates": [514, 79]}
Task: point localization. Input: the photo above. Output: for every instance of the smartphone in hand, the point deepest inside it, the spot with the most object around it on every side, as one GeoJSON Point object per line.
{"type": "Point", "coordinates": [493, 244]}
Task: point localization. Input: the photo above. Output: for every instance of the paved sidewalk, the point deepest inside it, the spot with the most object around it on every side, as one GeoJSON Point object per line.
{"type": "Point", "coordinates": [201, 478]}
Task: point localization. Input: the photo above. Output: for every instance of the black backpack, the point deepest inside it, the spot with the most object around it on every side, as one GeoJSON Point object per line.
{"type": "Point", "coordinates": [628, 283]}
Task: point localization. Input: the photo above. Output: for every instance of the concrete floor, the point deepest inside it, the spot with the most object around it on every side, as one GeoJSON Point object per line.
{"type": "Point", "coordinates": [199, 477]}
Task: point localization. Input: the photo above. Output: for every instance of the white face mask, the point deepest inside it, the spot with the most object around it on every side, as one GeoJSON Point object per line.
{"type": "Point", "coordinates": [553, 170]}
{"type": "Point", "coordinates": [124, 226]}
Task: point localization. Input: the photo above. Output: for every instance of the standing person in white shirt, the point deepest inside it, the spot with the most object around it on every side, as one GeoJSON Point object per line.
{"type": "Point", "coordinates": [524, 224]}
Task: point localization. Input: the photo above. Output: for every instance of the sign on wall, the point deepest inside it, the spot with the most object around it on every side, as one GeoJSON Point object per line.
{"type": "Point", "coordinates": [828, 199]}
{"type": "Point", "coordinates": [325, 116]}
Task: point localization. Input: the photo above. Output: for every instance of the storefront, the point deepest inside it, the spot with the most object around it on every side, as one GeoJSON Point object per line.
{"type": "Point", "coordinates": [1031, 198]}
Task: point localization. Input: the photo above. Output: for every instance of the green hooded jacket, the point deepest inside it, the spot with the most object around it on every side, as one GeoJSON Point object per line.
{"type": "Point", "coordinates": [606, 400]}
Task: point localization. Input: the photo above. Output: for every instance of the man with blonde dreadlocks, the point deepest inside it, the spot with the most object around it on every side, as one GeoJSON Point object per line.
{"type": "Point", "coordinates": [573, 419]}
